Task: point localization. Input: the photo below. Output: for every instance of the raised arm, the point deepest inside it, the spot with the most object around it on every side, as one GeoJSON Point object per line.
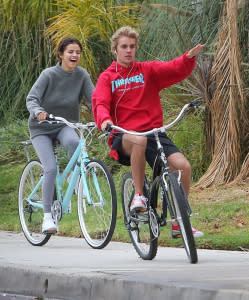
{"type": "Point", "coordinates": [195, 51]}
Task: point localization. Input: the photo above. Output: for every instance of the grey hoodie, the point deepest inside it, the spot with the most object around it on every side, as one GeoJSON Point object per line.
{"type": "Point", "coordinates": [58, 92]}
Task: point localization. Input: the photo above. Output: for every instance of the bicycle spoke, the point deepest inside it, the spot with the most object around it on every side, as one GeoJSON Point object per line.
{"type": "Point", "coordinates": [97, 215]}
{"type": "Point", "coordinates": [31, 217]}
{"type": "Point", "coordinates": [138, 225]}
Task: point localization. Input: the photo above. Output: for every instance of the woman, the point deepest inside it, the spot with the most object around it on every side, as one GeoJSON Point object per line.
{"type": "Point", "coordinates": [58, 91]}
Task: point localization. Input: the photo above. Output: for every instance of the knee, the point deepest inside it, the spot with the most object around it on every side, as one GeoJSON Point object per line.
{"type": "Point", "coordinates": [71, 146]}
{"type": "Point", "coordinates": [71, 143]}
{"type": "Point", "coordinates": [178, 161]}
{"type": "Point", "coordinates": [140, 143]}
{"type": "Point", "coordinates": [186, 167]}
{"type": "Point", "coordinates": [50, 171]}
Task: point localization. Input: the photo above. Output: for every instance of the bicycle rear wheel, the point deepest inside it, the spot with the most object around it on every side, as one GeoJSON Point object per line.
{"type": "Point", "coordinates": [138, 225]}
{"type": "Point", "coordinates": [98, 218]}
{"type": "Point", "coordinates": [31, 217]}
{"type": "Point", "coordinates": [177, 199]}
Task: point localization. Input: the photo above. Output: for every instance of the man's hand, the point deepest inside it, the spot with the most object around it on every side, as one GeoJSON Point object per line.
{"type": "Point", "coordinates": [104, 124]}
{"type": "Point", "coordinates": [194, 51]}
{"type": "Point", "coordinates": [42, 116]}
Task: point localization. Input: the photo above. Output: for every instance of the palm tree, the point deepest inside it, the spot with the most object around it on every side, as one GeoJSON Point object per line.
{"type": "Point", "coordinates": [93, 23]}
{"type": "Point", "coordinates": [227, 106]}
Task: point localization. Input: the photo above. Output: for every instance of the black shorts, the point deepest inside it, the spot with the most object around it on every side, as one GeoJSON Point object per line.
{"type": "Point", "coordinates": [151, 150]}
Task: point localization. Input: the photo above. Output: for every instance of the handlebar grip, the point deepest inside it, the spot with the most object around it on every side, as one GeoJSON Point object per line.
{"type": "Point", "coordinates": [50, 117]}
{"type": "Point", "coordinates": [108, 127]}
{"type": "Point", "coordinates": [194, 103]}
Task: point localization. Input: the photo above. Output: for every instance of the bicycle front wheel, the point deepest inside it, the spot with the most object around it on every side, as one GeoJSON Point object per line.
{"type": "Point", "coordinates": [177, 199]}
{"type": "Point", "coordinates": [31, 217]}
{"type": "Point", "coordinates": [97, 217]}
{"type": "Point", "coordinates": [138, 225]}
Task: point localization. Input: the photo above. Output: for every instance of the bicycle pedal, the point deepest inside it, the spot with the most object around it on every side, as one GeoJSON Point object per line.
{"type": "Point", "coordinates": [133, 228]}
{"type": "Point", "coordinates": [175, 236]}
{"type": "Point", "coordinates": [163, 223]}
{"type": "Point", "coordinates": [27, 209]}
{"type": "Point", "coordinates": [52, 231]}
{"type": "Point", "coordinates": [138, 212]}
{"type": "Point", "coordinates": [134, 213]}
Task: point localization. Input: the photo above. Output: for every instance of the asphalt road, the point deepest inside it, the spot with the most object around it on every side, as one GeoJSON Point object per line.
{"type": "Point", "coordinates": [67, 268]}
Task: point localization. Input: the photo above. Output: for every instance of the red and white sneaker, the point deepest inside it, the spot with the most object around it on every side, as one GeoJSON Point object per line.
{"type": "Point", "coordinates": [138, 203]}
{"type": "Point", "coordinates": [175, 231]}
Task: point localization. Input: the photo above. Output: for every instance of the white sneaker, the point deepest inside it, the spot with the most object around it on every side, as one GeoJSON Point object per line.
{"type": "Point", "coordinates": [48, 225]}
{"type": "Point", "coordinates": [139, 203]}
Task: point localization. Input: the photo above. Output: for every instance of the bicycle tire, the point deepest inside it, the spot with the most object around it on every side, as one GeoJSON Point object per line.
{"type": "Point", "coordinates": [142, 238]}
{"type": "Point", "coordinates": [176, 195]}
{"type": "Point", "coordinates": [97, 221]}
{"type": "Point", "coordinates": [31, 218]}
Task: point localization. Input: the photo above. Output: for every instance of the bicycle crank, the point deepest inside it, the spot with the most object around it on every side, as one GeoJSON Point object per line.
{"type": "Point", "coordinates": [153, 223]}
{"type": "Point", "coordinates": [57, 211]}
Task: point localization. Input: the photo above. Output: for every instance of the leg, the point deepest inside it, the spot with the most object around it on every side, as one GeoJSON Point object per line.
{"type": "Point", "coordinates": [134, 146]}
{"type": "Point", "coordinates": [177, 161]}
{"type": "Point", "coordinates": [68, 139]}
{"type": "Point", "coordinates": [44, 149]}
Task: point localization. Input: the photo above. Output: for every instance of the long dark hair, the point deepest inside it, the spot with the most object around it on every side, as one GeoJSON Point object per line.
{"type": "Point", "coordinates": [64, 43]}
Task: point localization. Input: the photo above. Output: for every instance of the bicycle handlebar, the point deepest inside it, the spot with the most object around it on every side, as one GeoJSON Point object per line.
{"type": "Point", "coordinates": [193, 104]}
{"type": "Point", "coordinates": [51, 119]}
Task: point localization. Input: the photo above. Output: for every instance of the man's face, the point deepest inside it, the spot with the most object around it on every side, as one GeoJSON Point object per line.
{"type": "Point", "coordinates": [126, 50]}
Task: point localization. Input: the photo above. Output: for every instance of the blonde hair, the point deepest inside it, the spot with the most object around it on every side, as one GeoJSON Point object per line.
{"type": "Point", "coordinates": [123, 31]}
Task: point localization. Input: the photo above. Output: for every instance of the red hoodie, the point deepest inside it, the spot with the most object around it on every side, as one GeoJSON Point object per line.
{"type": "Point", "coordinates": [130, 96]}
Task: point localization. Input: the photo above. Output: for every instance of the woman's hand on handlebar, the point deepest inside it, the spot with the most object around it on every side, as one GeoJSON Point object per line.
{"type": "Point", "coordinates": [42, 116]}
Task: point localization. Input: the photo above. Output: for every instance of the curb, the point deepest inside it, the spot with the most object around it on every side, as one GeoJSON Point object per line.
{"type": "Point", "coordinates": [100, 286]}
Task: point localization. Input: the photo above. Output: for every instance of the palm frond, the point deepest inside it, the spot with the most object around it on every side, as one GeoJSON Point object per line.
{"type": "Point", "coordinates": [88, 21]}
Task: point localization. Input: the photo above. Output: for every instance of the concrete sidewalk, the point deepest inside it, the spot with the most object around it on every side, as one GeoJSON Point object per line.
{"type": "Point", "coordinates": [67, 268]}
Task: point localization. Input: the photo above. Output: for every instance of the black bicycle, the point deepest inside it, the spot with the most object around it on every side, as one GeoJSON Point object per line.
{"type": "Point", "coordinates": [167, 201]}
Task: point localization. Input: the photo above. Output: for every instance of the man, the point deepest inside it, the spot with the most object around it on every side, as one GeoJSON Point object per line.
{"type": "Point", "coordinates": [127, 95]}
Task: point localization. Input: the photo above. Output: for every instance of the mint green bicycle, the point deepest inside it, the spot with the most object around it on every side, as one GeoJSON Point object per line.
{"type": "Point", "coordinates": [96, 194]}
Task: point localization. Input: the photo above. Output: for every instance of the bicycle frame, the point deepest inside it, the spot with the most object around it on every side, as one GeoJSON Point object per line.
{"type": "Point", "coordinates": [163, 159]}
{"type": "Point", "coordinates": [78, 163]}
{"type": "Point", "coordinates": [166, 197]}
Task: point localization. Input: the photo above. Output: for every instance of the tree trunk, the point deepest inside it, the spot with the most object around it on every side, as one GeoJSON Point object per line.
{"type": "Point", "coordinates": [227, 106]}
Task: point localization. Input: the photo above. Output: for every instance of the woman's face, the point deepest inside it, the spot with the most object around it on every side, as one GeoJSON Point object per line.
{"type": "Point", "coordinates": [70, 57]}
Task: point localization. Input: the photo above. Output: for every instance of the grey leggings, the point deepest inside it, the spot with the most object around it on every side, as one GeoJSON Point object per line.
{"type": "Point", "coordinates": [43, 145]}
